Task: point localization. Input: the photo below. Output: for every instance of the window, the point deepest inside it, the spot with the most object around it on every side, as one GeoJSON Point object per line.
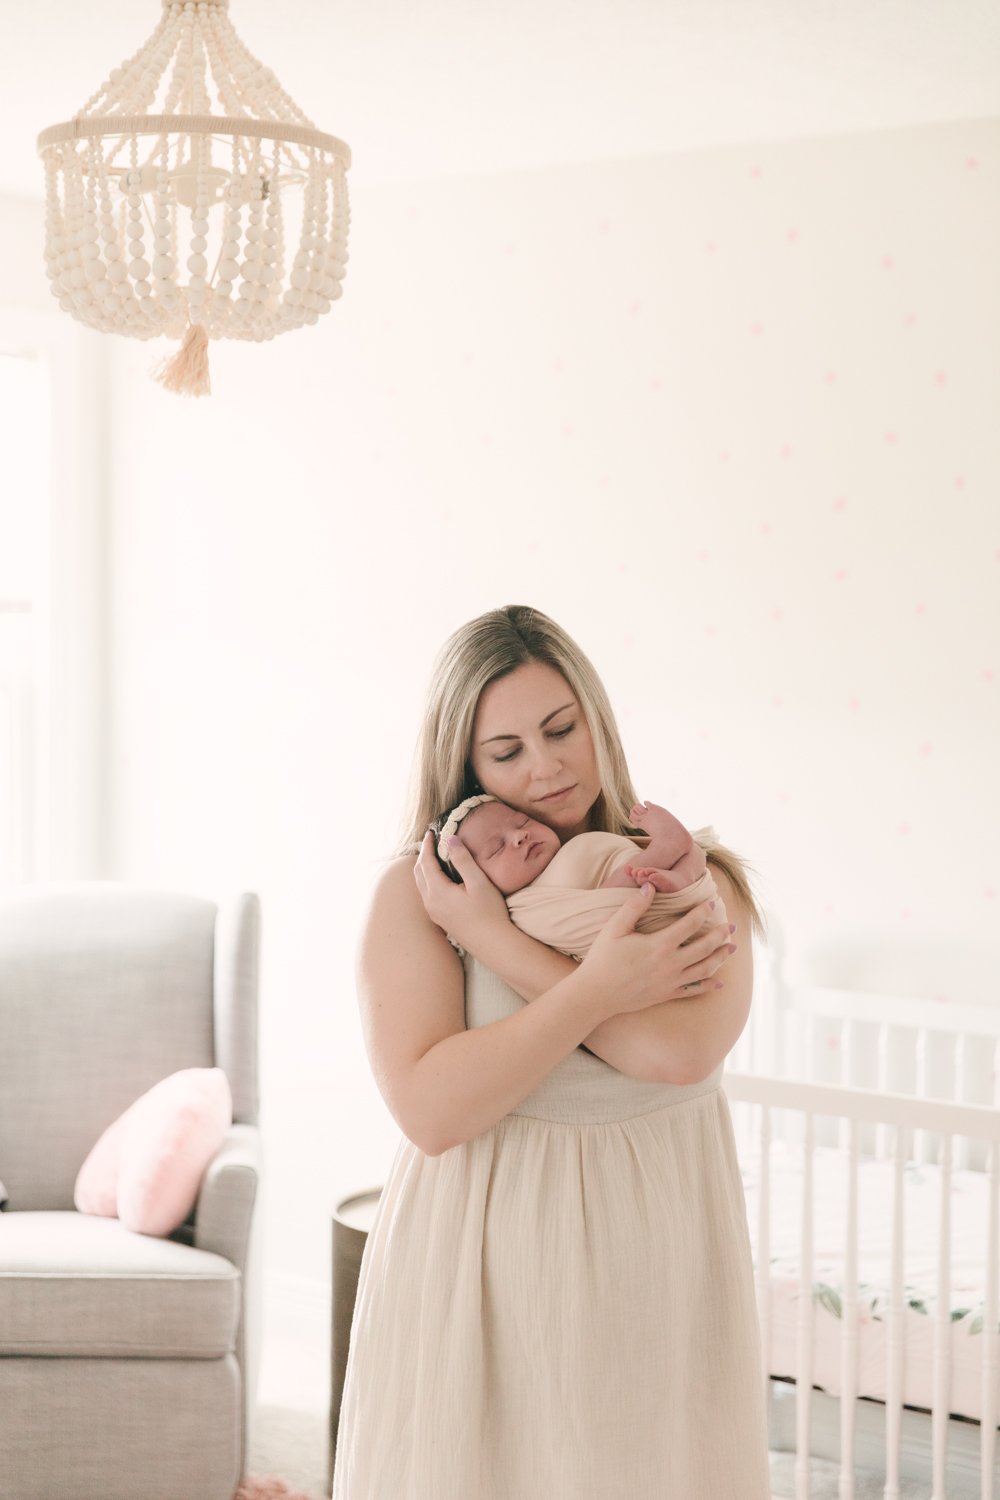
{"type": "Point", "coordinates": [25, 404]}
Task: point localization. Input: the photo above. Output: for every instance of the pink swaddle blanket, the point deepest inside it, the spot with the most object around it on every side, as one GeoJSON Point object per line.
{"type": "Point", "coordinates": [565, 908]}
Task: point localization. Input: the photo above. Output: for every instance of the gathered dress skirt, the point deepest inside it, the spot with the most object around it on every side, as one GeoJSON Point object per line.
{"type": "Point", "coordinates": [561, 1308]}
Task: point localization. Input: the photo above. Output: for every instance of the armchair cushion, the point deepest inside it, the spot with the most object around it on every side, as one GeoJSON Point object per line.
{"type": "Point", "coordinates": [71, 1284]}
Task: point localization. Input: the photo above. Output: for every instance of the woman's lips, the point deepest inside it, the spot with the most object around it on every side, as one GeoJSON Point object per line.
{"type": "Point", "coordinates": [557, 796]}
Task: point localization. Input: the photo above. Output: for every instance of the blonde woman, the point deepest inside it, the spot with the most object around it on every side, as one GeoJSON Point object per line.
{"type": "Point", "coordinates": [556, 1299]}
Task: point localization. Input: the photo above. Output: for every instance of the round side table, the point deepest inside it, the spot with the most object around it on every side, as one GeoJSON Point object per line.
{"type": "Point", "coordinates": [352, 1219]}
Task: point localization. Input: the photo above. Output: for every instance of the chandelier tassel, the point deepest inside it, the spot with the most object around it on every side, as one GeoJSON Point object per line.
{"type": "Point", "coordinates": [186, 371]}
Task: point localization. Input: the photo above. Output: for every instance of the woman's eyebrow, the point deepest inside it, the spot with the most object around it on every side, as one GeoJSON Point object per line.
{"type": "Point", "coordinates": [570, 704]}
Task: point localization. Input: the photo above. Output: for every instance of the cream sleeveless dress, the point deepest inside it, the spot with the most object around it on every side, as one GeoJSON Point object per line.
{"type": "Point", "coordinates": [562, 1308]}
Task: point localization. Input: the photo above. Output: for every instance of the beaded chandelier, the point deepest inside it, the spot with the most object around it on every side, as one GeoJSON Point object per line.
{"type": "Point", "coordinates": [146, 161]}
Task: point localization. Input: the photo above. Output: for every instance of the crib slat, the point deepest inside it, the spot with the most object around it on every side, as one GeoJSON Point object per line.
{"type": "Point", "coordinates": [988, 1416]}
{"type": "Point", "coordinates": [804, 1351]}
{"type": "Point", "coordinates": [764, 1244]}
{"type": "Point", "coordinates": [849, 1321]}
{"type": "Point", "coordinates": [941, 1400]}
{"type": "Point", "coordinates": [846, 1051]}
{"type": "Point", "coordinates": [921, 1143]}
{"type": "Point", "coordinates": [895, 1370]}
{"type": "Point", "coordinates": [882, 1131]}
{"type": "Point", "coordinates": [961, 1149]}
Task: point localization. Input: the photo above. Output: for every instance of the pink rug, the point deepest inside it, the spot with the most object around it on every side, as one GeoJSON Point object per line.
{"type": "Point", "coordinates": [268, 1487]}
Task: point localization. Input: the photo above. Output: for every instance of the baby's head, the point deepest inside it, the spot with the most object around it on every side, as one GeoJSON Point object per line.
{"type": "Point", "coordinates": [507, 845]}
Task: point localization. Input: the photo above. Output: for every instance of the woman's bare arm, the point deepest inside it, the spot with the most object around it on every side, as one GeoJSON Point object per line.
{"type": "Point", "coordinates": [654, 1045]}
{"type": "Point", "coordinates": [445, 1084]}
{"type": "Point", "coordinates": [684, 1040]}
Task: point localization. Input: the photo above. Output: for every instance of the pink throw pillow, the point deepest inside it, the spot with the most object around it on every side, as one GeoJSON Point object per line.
{"type": "Point", "coordinates": [147, 1167]}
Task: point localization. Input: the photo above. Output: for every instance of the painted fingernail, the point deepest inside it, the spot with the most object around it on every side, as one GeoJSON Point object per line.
{"type": "Point", "coordinates": [719, 986]}
{"type": "Point", "coordinates": [645, 889]}
{"type": "Point", "coordinates": [732, 927]}
{"type": "Point", "coordinates": [711, 906]}
{"type": "Point", "coordinates": [732, 947]}
{"type": "Point", "coordinates": [454, 841]}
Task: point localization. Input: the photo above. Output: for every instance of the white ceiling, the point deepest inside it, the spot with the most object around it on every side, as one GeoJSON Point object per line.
{"type": "Point", "coordinates": [436, 87]}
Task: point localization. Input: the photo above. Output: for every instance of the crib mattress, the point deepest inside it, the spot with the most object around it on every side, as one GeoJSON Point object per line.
{"type": "Point", "coordinates": [922, 1198]}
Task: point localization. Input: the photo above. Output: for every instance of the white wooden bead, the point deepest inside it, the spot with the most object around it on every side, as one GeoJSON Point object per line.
{"type": "Point", "coordinates": [197, 265]}
{"type": "Point", "coordinates": [138, 269]}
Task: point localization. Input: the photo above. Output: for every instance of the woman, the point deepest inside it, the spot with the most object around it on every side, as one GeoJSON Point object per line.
{"type": "Point", "coordinates": [556, 1299]}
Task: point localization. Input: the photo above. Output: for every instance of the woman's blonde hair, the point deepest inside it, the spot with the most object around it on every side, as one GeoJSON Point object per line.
{"type": "Point", "coordinates": [479, 653]}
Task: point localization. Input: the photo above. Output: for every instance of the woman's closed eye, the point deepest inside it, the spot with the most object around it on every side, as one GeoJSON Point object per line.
{"type": "Point", "coordinates": [552, 734]}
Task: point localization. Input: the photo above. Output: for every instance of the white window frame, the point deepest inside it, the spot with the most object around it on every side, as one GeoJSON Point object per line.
{"type": "Point", "coordinates": [64, 785]}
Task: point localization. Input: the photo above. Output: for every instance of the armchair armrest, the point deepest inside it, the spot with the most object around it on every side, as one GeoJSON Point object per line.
{"type": "Point", "coordinates": [226, 1201]}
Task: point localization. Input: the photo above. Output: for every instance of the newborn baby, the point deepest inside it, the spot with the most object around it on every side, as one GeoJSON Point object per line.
{"type": "Point", "coordinates": [563, 894]}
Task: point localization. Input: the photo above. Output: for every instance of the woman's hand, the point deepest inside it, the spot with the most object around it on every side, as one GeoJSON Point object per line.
{"type": "Point", "coordinates": [465, 910]}
{"type": "Point", "coordinates": [637, 970]}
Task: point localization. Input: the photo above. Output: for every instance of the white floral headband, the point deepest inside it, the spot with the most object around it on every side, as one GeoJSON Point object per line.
{"type": "Point", "coordinates": [450, 826]}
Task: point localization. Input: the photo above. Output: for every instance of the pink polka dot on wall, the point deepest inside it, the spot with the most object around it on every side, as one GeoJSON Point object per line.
{"type": "Point", "coordinates": [775, 702]}
{"type": "Point", "coordinates": [703, 556]}
{"type": "Point", "coordinates": [508, 249]}
{"type": "Point", "coordinates": [786, 451]}
{"type": "Point", "coordinates": [854, 703]}
{"type": "Point", "coordinates": [959, 483]}
{"type": "Point", "coordinates": [628, 642]}
{"type": "Point", "coordinates": [756, 328]}
{"type": "Point", "coordinates": [987, 674]}
{"type": "Point", "coordinates": [776, 614]}
{"type": "Point", "coordinates": [634, 307]}
{"type": "Point", "coordinates": [887, 263]}
{"type": "Point", "coordinates": [792, 236]}
{"type": "Point", "coordinates": [903, 829]}
{"type": "Point", "coordinates": [604, 226]}
{"type": "Point", "coordinates": [654, 385]}
{"type": "Point", "coordinates": [709, 629]}
{"type": "Point", "coordinates": [765, 527]}
{"type": "Point", "coordinates": [890, 437]}
{"type": "Point", "coordinates": [990, 893]}
{"type": "Point", "coordinates": [839, 503]}
{"type": "Point", "coordinates": [921, 609]}
{"type": "Point", "coordinates": [710, 245]}
{"type": "Point", "coordinates": [971, 163]}
{"type": "Point", "coordinates": [830, 377]}
{"type": "Point", "coordinates": [940, 378]}
{"type": "Point", "coordinates": [925, 748]}
{"type": "Point", "coordinates": [756, 172]}
{"type": "Point", "coordinates": [840, 575]}
{"type": "Point", "coordinates": [906, 911]}
{"type": "Point", "coordinates": [604, 481]}
{"type": "Point", "coordinates": [910, 319]}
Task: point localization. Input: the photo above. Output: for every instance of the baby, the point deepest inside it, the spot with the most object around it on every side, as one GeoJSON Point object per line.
{"type": "Point", "coordinates": [563, 894]}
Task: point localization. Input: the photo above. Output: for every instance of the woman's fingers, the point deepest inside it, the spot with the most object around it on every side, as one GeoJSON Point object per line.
{"type": "Point", "coordinates": [464, 863]}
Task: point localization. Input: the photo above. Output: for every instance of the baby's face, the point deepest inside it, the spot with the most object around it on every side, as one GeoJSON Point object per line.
{"type": "Point", "coordinates": [507, 845]}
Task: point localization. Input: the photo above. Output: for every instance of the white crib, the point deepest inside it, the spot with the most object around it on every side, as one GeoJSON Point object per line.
{"type": "Point", "coordinates": [926, 1112]}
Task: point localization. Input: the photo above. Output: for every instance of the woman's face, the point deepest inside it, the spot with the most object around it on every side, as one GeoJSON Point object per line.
{"type": "Point", "coordinates": [531, 747]}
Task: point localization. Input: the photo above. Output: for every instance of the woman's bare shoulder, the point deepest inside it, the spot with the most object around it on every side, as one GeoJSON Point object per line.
{"type": "Point", "coordinates": [397, 917]}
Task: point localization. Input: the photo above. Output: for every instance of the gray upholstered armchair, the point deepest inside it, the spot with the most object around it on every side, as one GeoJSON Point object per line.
{"type": "Point", "coordinates": [124, 1364]}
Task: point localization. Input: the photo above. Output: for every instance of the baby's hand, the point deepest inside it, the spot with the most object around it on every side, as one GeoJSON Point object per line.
{"type": "Point", "coordinates": [661, 880]}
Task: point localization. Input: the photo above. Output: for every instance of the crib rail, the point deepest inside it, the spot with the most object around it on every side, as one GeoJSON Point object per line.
{"type": "Point", "coordinates": [897, 1113]}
